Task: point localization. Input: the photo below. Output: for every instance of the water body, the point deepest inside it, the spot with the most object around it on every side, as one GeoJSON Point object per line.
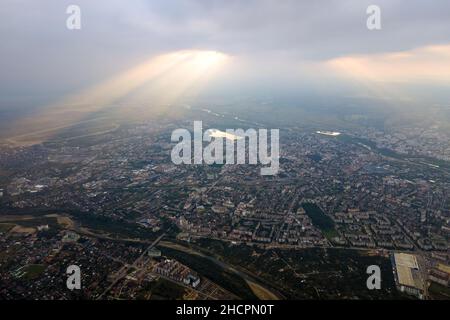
{"type": "Point", "coordinates": [432, 163]}
{"type": "Point", "coordinates": [222, 134]}
{"type": "Point", "coordinates": [329, 133]}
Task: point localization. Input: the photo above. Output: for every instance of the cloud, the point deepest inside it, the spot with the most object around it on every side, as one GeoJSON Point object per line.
{"type": "Point", "coordinates": [39, 56]}
{"type": "Point", "coordinates": [426, 64]}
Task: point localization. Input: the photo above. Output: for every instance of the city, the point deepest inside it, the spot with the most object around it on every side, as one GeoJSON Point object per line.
{"type": "Point", "coordinates": [244, 158]}
{"type": "Point", "coordinates": [79, 197]}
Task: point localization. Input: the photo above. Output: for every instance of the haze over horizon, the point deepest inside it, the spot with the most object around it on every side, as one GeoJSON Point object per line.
{"type": "Point", "coordinates": [159, 52]}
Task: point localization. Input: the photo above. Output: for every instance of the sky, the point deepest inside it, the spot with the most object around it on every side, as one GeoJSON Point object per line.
{"type": "Point", "coordinates": [319, 46]}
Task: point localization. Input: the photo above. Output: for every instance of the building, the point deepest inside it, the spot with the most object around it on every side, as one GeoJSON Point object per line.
{"type": "Point", "coordinates": [407, 275]}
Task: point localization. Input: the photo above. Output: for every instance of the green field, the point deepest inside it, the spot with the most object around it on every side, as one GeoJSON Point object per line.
{"type": "Point", "coordinates": [33, 271]}
{"type": "Point", "coordinates": [314, 273]}
{"type": "Point", "coordinates": [439, 292]}
{"type": "Point", "coordinates": [320, 220]}
{"type": "Point", "coordinates": [5, 227]}
{"type": "Point", "coordinates": [161, 289]}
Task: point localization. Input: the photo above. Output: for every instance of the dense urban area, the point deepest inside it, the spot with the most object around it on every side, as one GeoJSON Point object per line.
{"type": "Point", "coordinates": [140, 227]}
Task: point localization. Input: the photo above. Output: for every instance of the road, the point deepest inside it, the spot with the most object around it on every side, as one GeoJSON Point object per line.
{"type": "Point", "coordinates": [124, 270]}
